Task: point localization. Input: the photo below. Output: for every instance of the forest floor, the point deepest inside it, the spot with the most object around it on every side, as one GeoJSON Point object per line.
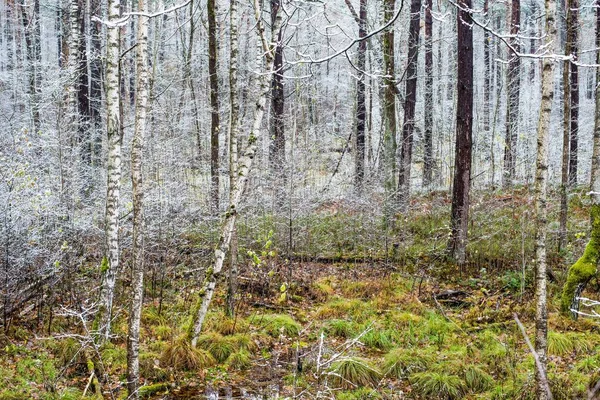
{"type": "Point", "coordinates": [350, 326]}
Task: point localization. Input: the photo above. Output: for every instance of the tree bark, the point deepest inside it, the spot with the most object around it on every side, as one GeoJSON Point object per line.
{"type": "Point", "coordinates": [486, 72]}
{"type": "Point", "coordinates": [277, 148]}
{"type": "Point", "coordinates": [214, 104]}
{"type": "Point", "coordinates": [137, 151]}
{"type": "Point", "coordinates": [586, 267]}
{"type": "Point", "coordinates": [428, 109]}
{"type": "Point", "coordinates": [361, 104]}
{"type": "Point", "coordinates": [464, 127]}
{"type": "Point", "coordinates": [540, 193]}
{"type": "Point", "coordinates": [512, 99]}
{"type": "Point", "coordinates": [410, 100]}
{"type": "Point", "coordinates": [234, 106]}
{"type": "Point", "coordinates": [110, 263]}
{"type": "Point", "coordinates": [389, 110]}
{"type": "Point", "coordinates": [244, 166]}
{"type": "Point", "coordinates": [573, 34]}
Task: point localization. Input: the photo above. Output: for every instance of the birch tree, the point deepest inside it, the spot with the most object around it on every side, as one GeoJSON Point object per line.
{"type": "Point", "coordinates": [110, 262]}
{"type": "Point", "coordinates": [428, 101]}
{"type": "Point", "coordinates": [243, 169]}
{"type": "Point", "coordinates": [540, 201]}
{"type": "Point", "coordinates": [213, 50]}
{"type": "Point", "coordinates": [137, 148]}
{"type": "Point", "coordinates": [389, 112]}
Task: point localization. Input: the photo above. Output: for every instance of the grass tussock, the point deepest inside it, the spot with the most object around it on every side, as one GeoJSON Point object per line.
{"type": "Point", "coordinates": [275, 325]}
{"type": "Point", "coordinates": [438, 385]}
{"type": "Point", "coordinates": [401, 363]}
{"type": "Point", "coordinates": [354, 372]}
{"type": "Point", "coordinates": [180, 355]}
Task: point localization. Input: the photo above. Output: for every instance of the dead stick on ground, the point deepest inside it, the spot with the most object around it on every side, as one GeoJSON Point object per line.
{"type": "Point", "coordinates": [535, 356]}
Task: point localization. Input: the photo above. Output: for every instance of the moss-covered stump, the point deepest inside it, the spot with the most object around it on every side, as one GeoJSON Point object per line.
{"type": "Point", "coordinates": [585, 268]}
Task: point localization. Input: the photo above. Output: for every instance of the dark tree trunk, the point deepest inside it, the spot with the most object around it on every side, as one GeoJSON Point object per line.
{"type": "Point", "coordinates": [464, 126]}
{"type": "Point", "coordinates": [214, 104]}
{"type": "Point", "coordinates": [389, 113]}
{"type": "Point", "coordinates": [512, 100]}
{"type": "Point", "coordinates": [428, 109]}
{"type": "Point", "coordinates": [361, 105]}
{"type": "Point", "coordinates": [574, 86]}
{"type": "Point", "coordinates": [410, 99]}
{"type": "Point", "coordinates": [486, 73]}
{"type": "Point", "coordinates": [277, 149]}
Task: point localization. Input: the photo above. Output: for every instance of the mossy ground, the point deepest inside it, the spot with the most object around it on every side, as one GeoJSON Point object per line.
{"type": "Point", "coordinates": [407, 342]}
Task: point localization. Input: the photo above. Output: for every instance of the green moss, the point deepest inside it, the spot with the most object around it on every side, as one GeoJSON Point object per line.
{"type": "Point", "coordinates": [104, 266]}
{"type": "Point", "coordinates": [149, 390]}
{"type": "Point", "coordinates": [585, 268]}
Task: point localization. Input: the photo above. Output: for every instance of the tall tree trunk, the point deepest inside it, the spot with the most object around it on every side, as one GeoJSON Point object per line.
{"type": "Point", "coordinates": [95, 86]}
{"type": "Point", "coordinates": [562, 230]}
{"type": "Point", "coordinates": [428, 103]}
{"type": "Point", "coordinates": [211, 8]}
{"type": "Point", "coordinates": [541, 178]}
{"type": "Point", "coordinates": [486, 71]}
{"type": "Point", "coordinates": [277, 147]}
{"type": "Point", "coordinates": [464, 127]}
{"type": "Point", "coordinates": [234, 106]}
{"type": "Point", "coordinates": [512, 99]}
{"type": "Point", "coordinates": [31, 30]}
{"type": "Point", "coordinates": [389, 110]}
{"type": "Point", "coordinates": [137, 151]}
{"type": "Point", "coordinates": [410, 100]}
{"type": "Point", "coordinates": [244, 166]}
{"type": "Point", "coordinates": [110, 263]}
{"type": "Point", "coordinates": [361, 106]}
{"type": "Point", "coordinates": [574, 86]}
{"type": "Point", "coordinates": [586, 267]}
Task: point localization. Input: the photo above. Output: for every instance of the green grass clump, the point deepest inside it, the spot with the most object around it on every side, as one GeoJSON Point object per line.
{"type": "Point", "coordinates": [243, 341]}
{"type": "Point", "coordinates": [225, 325]}
{"type": "Point", "coordinates": [358, 394]}
{"type": "Point", "coordinates": [217, 345]}
{"type": "Point", "coordinates": [588, 365]}
{"type": "Point", "coordinates": [378, 339]}
{"type": "Point", "coordinates": [340, 328]}
{"type": "Point", "coordinates": [277, 324]}
{"type": "Point", "coordinates": [239, 360]}
{"type": "Point", "coordinates": [354, 309]}
{"type": "Point", "coordinates": [560, 344]}
{"type": "Point", "coordinates": [182, 356]}
{"type": "Point", "coordinates": [438, 385]}
{"type": "Point", "coordinates": [476, 379]}
{"type": "Point", "coordinates": [400, 362]}
{"type": "Point", "coordinates": [354, 371]}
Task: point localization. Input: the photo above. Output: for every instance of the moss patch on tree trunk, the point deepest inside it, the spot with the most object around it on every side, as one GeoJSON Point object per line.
{"type": "Point", "coordinates": [585, 268]}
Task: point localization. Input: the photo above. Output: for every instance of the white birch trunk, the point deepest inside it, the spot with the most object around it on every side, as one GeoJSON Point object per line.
{"type": "Point", "coordinates": [244, 167]}
{"type": "Point", "coordinates": [541, 178]}
{"type": "Point", "coordinates": [233, 144]}
{"type": "Point", "coordinates": [110, 264]}
{"type": "Point", "coordinates": [137, 147]}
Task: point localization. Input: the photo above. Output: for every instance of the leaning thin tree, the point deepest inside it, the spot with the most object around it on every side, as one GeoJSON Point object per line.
{"type": "Point", "coordinates": [243, 168]}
